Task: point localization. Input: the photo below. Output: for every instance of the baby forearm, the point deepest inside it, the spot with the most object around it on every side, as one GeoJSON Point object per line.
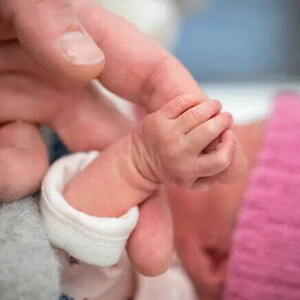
{"type": "Point", "coordinates": [114, 178]}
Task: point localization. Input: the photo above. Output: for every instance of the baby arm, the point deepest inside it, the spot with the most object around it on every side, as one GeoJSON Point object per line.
{"type": "Point", "coordinates": [166, 148]}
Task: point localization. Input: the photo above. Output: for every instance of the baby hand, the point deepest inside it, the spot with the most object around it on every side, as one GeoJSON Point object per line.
{"type": "Point", "coordinates": [171, 142]}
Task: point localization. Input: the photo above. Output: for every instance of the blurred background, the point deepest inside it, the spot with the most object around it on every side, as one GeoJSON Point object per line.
{"type": "Point", "coordinates": [239, 51]}
{"type": "Point", "coordinates": [249, 40]}
{"type": "Point", "coordinates": [223, 40]}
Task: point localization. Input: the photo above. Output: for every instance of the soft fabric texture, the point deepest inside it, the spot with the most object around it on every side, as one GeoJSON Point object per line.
{"type": "Point", "coordinates": [265, 259]}
{"type": "Point", "coordinates": [93, 240]}
{"type": "Point", "coordinates": [83, 281]}
{"type": "Point", "coordinates": [29, 268]}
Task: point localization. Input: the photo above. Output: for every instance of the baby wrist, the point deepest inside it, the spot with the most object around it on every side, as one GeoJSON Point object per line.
{"type": "Point", "coordinates": [142, 161]}
{"type": "Point", "coordinates": [135, 168]}
{"type": "Point", "coordinates": [94, 240]}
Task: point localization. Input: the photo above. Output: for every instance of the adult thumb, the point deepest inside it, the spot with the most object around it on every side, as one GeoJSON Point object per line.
{"type": "Point", "coordinates": [54, 37]}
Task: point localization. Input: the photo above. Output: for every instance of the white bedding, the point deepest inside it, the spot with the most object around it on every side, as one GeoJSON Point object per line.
{"type": "Point", "coordinates": [247, 102]}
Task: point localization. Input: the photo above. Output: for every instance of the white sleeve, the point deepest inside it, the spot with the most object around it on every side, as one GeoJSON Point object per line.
{"type": "Point", "coordinates": [93, 240]}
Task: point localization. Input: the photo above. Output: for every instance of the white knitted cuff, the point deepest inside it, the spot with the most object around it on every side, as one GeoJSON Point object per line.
{"type": "Point", "coordinates": [93, 240]}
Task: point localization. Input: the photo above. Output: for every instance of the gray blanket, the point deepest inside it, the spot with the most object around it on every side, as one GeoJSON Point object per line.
{"type": "Point", "coordinates": [29, 269]}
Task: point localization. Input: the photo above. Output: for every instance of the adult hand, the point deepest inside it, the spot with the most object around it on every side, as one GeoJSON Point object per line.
{"type": "Point", "coordinates": [65, 37]}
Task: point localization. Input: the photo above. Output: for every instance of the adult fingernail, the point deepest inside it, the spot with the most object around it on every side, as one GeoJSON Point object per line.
{"type": "Point", "coordinates": [80, 49]}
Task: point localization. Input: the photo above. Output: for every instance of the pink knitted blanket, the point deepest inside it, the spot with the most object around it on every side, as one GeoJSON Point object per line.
{"type": "Point", "coordinates": [265, 258]}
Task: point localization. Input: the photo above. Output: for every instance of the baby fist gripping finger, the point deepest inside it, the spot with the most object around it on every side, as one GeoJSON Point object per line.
{"type": "Point", "coordinates": [172, 141]}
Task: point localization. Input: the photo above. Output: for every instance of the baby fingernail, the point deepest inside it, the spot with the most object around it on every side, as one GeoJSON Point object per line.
{"type": "Point", "coordinates": [80, 49]}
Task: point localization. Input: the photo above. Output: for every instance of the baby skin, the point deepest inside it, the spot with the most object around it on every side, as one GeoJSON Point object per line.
{"type": "Point", "coordinates": [167, 147]}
